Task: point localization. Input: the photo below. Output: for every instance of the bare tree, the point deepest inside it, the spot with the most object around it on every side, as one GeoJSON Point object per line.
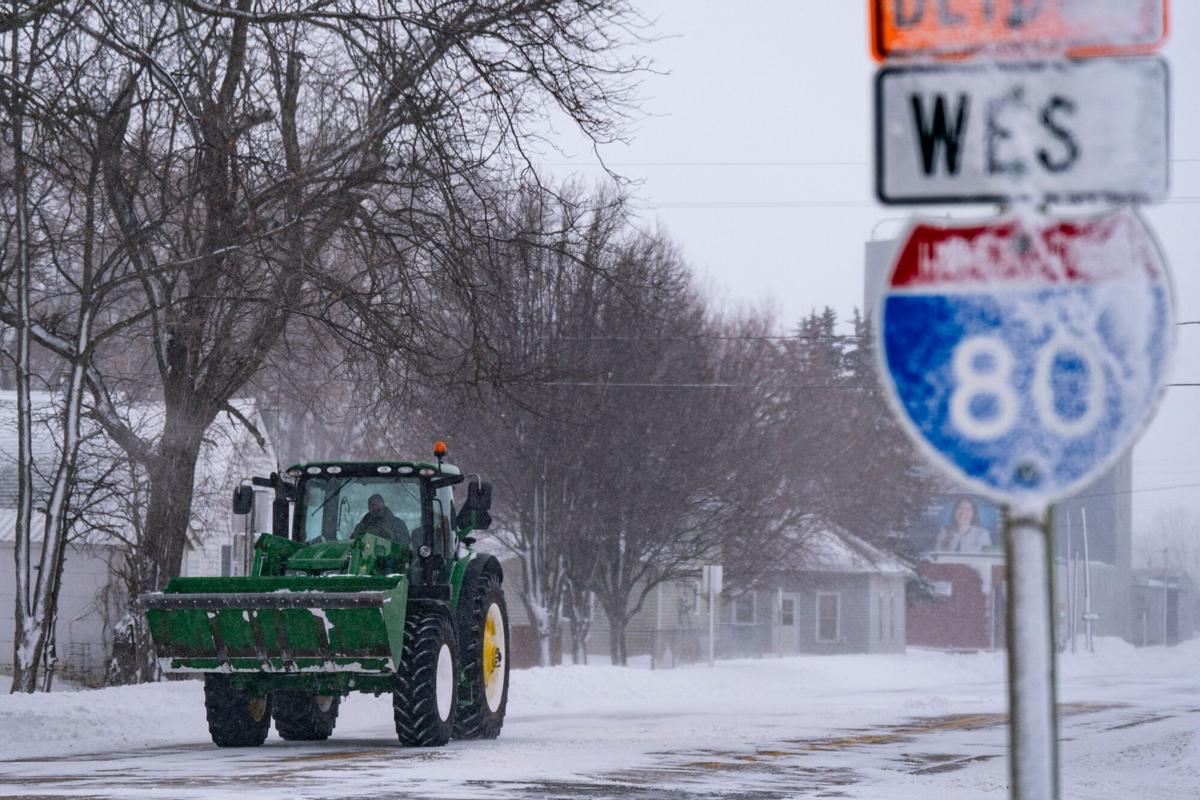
{"type": "Point", "coordinates": [269, 163]}
{"type": "Point", "coordinates": [55, 241]}
{"type": "Point", "coordinates": [1174, 535]}
{"type": "Point", "coordinates": [548, 272]}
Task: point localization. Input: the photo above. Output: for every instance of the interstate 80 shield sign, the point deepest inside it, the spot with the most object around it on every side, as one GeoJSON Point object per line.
{"type": "Point", "coordinates": [1025, 355]}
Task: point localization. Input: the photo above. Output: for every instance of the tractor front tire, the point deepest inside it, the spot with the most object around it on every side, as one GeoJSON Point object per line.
{"type": "Point", "coordinates": [425, 689]}
{"type": "Point", "coordinates": [483, 647]}
{"type": "Point", "coordinates": [304, 716]}
{"type": "Point", "coordinates": [236, 718]}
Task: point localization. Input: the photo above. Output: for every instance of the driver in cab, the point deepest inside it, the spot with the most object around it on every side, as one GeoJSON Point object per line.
{"type": "Point", "coordinates": [380, 521]}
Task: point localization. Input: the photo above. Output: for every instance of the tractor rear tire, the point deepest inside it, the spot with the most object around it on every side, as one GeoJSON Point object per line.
{"type": "Point", "coordinates": [483, 648]}
{"type": "Point", "coordinates": [236, 718]}
{"type": "Point", "coordinates": [304, 716]}
{"type": "Point", "coordinates": [425, 691]}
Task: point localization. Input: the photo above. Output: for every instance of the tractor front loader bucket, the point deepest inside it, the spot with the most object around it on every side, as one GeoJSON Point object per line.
{"type": "Point", "coordinates": [292, 624]}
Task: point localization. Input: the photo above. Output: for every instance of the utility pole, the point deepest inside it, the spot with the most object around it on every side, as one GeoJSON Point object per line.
{"type": "Point", "coordinates": [1166, 596]}
{"type": "Point", "coordinates": [1087, 585]}
{"type": "Point", "coordinates": [1072, 611]}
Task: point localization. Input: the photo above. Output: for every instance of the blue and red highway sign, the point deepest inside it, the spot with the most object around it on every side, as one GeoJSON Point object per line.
{"type": "Point", "coordinates": [1025, 355]}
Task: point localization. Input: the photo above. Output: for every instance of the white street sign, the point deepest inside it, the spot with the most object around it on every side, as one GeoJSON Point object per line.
{"type": "Point", "coordinates": [1053, 131]}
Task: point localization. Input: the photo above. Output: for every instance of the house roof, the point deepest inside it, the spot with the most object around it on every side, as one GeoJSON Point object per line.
{"type": "Point", "coordinates": [831, 548]}
{"type": "Point", "coordinates": [44, 449]}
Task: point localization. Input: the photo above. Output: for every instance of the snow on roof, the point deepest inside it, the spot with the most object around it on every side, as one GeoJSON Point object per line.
{"type": "Point", "coordinates": [828, 547]}
{"type": "Point", "coordinates": [44, 448]}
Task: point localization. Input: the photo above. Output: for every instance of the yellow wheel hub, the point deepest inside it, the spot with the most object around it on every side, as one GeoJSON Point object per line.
{"type": "Point", "coordinates": [493, 657]}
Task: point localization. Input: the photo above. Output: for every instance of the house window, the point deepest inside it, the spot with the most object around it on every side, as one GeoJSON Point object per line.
{"type": "Point", "coordinates": [829, 607]}
{"type": "Point", "coordinates": [743, 609]}
{"type": "Point", "coordinates": [787, 612]}
{"type": "Point", "coordinates": [226, 560]}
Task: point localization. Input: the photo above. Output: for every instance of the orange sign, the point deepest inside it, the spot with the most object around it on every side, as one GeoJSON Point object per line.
{"type": "Point", "coordinates": [954, 29]}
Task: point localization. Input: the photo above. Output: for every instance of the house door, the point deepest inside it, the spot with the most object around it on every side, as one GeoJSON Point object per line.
{"type": "Point", "coordinates": [789, 624]}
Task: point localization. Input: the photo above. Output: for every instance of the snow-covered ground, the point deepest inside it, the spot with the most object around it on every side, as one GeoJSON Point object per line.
{"type": "Point", "coordinates": [855, 726]}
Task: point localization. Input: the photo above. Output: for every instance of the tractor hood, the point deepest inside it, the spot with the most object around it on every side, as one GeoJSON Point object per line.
{"type": "Point", "coordinates": [365, 555]}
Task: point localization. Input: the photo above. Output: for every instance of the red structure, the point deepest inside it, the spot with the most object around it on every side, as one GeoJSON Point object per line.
{"type": "Point", "coordinates": [967, 609]}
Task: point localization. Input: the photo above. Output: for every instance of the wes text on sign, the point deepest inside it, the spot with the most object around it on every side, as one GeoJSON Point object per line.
{"type": "Point", "coordinates": [1061, 131]}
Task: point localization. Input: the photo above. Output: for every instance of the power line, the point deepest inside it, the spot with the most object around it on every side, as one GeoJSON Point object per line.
{"type": "Point", "coordinates": [1187, 200]}
{"type": "Point", "coordinates": [719, 337]}
{"type": "Point", "coordinates": [1137, 491]}
{"type": "Point", "coordinates": [745, 164]}
{"type": "Point", "coordinates": [755, 386]}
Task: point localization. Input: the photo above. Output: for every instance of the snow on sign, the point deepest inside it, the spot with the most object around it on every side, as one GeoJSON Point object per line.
{"type": "Point", "coordinates": [1026, 355]}
{"type": "Point", "coordinates": [1053, 131]}
{"type": "Point", "coordinates": [957, 28]}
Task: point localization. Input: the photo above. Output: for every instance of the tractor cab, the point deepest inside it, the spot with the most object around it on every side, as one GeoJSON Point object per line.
{"type": "Point", "coordinates": [403, 513]}
{"type": "Point", "coordinates": [408, 504]}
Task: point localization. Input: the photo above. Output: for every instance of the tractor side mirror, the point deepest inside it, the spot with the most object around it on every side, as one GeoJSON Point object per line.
{"type": "Point", "coordinates": [243, 499]}
{"type": "Point", "coordinates": [474, 513]}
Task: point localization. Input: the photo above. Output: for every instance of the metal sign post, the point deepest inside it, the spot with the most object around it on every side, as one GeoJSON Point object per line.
{"type": "Point", "coordinates": [1032, 704]}
{"type": "Point", "coordinates": [712, 583]}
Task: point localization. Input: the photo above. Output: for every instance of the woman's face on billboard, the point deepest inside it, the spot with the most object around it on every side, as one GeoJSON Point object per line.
{"type": "Point", "coordinates": [964, 513]}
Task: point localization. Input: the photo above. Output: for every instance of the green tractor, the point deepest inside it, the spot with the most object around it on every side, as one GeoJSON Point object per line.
{"type": "Point", "coordinates": [368, 582]}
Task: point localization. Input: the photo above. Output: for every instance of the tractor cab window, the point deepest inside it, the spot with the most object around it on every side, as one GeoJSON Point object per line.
{"type": "Point", "coordinates": [338, 508]}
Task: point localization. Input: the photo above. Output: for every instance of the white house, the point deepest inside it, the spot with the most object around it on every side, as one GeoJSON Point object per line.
{"type": "Point", "coordinates": [92, 595]}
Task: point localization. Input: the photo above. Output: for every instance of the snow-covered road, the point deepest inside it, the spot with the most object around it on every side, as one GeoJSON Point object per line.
{"type": "Point", "coordinates": [915, 726]}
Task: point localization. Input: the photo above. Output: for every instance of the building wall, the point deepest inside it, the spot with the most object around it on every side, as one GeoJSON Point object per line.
{"type": "Point", "coordinates": [969, 611]}
{"type": "Point", "coordinates": [855, 613]}
{"type": "Point", "coordinates": [1108, 504]}
{"type": "Point", "coordinates": [1147, 613]}
{"type": "Point", "coordinates": [962, 615]}
{"type": "Point", "coordinates": [84, 623]}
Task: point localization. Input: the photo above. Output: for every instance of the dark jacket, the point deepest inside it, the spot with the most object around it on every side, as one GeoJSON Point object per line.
{"type": "Point", "coordinates": [385, 524]}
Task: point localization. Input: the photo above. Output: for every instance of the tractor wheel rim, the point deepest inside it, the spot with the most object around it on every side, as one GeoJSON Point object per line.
{"type": "Point", "coordinates": [494, 653]}
{"type": "Point", "coordinates": [445, 682]}
{"type": "Point", "coordinates": [324, 703]}
{"type": "Point", "coordinates": [257, 708]}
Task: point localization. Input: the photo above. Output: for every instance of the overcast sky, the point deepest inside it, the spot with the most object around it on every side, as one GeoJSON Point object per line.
{"type": "Point", "coordinates": [756, 157]}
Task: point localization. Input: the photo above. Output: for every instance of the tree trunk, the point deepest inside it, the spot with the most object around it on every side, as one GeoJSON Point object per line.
{"type": "Point", "coordinates": [616, 640]}
{"type": "Point", "coordinates": [171, 486]}
{"type": "Point", "coordinates": [544, 626]}
{"type": "Point", "coordinates": [579, 614]}
{"type": "Point", "coordinates": [160, 557]}
{"type": "Point", "coordinates": [579, 637]}
{"type": "Point", "coordinates": [28, 637]}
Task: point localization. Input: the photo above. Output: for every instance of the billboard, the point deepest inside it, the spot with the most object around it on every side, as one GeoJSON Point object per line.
{"type": "Point", "coordinates": [960, 523]}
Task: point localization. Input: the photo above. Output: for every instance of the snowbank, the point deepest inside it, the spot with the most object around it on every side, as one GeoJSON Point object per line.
{"type": "Point", "coordinates": [790, 690]}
